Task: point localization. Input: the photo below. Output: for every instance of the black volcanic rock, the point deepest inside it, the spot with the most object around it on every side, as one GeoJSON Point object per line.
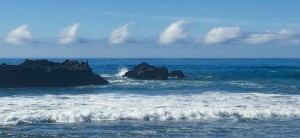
{"type": "Point", "coordinates": [43, 73]}
{"type": "Point", "coordinates": [177, 74]}
{"type": "Point", "coordinates": [145, 71]}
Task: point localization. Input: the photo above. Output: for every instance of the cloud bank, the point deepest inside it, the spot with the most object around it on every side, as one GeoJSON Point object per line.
{"type": "Point", "coordinates": [19, 35]}
{"type": "Point", "coordinates": [176, 31]}
{"type": "Point", "coordinates": [121, 34]}
{"type": "Point", "coordinates": [69, 34]}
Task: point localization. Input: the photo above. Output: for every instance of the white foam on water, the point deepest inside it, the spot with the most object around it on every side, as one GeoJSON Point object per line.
{"type": "Point", "coordinates": [119, 75]}
{"type": "Point", "coordinates": [98, 107]}
{"type": "Point", "coordinates": [106, 75]}
{"type": "Point", "coordinates": [246, 84]}
{"type": "Point", "coordinates": [122, 72]}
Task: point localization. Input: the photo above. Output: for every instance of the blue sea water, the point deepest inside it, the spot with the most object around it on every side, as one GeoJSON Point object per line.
{"type": "Point", "coordinates": [218, 98]}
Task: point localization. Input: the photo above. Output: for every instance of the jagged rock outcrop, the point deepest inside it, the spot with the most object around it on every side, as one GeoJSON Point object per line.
{"type": "Point", "coordinates": [44, 73]}
{"type": "Point", "coordinates": [177, 74]}
{"type": "Point", "coordinates": [145, 71]}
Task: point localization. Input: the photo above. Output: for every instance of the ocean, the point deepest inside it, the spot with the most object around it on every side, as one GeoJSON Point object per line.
{"type": "Point", "coordinates": [218, 98]}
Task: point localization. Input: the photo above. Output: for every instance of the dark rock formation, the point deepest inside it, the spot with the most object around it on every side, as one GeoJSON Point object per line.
{"type": "Point", "coordinates": [43, 73]}
{"type": "Point", "coordinates": [145, 71]}
{"type": "Point", "coordinates": [177, 74]}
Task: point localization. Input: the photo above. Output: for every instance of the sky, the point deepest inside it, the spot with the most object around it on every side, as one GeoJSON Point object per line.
{"type": "Point", "coordinates": [149, 29]}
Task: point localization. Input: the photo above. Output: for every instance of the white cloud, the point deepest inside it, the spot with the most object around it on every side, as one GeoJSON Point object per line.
{"type": "Point", "coordinates": [260, 38]}
{"type": "Point", "coordinates": [69, 34]}
{"type": "Point", "coordinates": [285, 32]}
{"type": "Point", "coordinates": [222, 34]}
{"type": "Point", "coordinates": [19, 35]}
{"type": "Point", "coordinates": [283, 35]}
{"type": "Point", "coordinates": [174, 32]}
{"type": "Point", "coordinates": [121, 34]}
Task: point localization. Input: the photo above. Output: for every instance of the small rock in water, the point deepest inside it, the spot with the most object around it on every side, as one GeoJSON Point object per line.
{"type": "Point", "coordinates": [144, 71]}
{"type": "Point", "coordinates": [177, 74]}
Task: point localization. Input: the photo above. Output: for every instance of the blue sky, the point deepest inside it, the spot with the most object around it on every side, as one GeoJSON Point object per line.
{"type": "Point", "coordinates": [150, 29]}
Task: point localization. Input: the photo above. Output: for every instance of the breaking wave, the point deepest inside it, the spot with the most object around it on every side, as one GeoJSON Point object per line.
{"type": "Point", "coordinates": [122, 72]}
{"type": "Point", "coordinates": [98, 107]}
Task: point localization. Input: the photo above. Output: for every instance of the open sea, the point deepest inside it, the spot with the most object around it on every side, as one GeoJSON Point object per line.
{"type": "Point", "coordinates": [218, 98]}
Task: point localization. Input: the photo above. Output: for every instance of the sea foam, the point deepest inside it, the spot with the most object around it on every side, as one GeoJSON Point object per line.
{"type": "Point", "coordinates": [122, 72]}
{"type": "Point", "coordinates": [97, 107]}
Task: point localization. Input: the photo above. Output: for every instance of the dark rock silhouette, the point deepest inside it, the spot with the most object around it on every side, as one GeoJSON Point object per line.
{"type": "Point", "coordinates": [177, 74]}
{"type": "Point", "coordinates": [145, 71]}
{"type": "Point", "coordinates": [44, 73]}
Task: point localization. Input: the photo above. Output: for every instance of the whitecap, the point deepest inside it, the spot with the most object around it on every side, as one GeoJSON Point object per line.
{"type": "Point", "coordinates": [99, 107]}
{"type": "Point", "coordinates": [122, 72]}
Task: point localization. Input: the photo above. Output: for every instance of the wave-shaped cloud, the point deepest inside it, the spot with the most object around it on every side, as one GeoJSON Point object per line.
{"type": "Point", "coordinates": [222, 34]}
{"type": "Point", "coordinates": [121, 34]}
{"type": "Point", "coordinates": [69, 34]}
{"type": "Point", "coordinates": [174, 32]}
{"type": "Point", "coordinates": [267, 37]}
{"type": "Point", "coordinates": [19, 35]}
